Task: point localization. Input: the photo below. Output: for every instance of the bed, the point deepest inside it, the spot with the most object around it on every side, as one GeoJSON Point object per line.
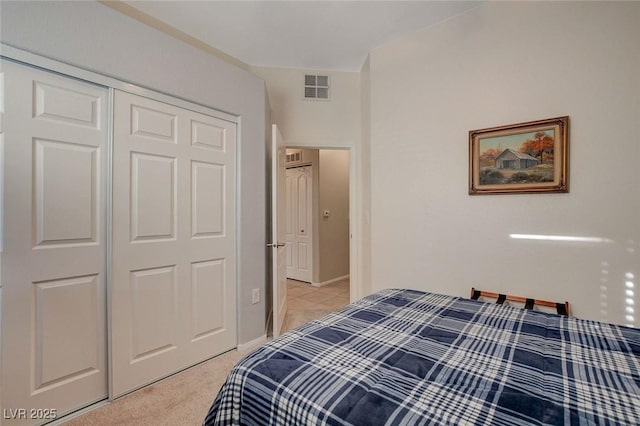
{"type": "Point", "coordinates": [406, 357]}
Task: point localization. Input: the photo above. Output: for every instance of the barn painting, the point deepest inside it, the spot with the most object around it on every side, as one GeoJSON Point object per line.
{"type": "Point", "coordinates": [518, 151]}
{"type": "Point", "coordinates": [523, 157]}
{"type": "Point", "coordinates": [512, 159]}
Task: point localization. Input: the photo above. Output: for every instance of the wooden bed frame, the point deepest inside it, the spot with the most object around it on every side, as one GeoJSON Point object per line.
{"type": "Point", "coordinates": [561, 307]}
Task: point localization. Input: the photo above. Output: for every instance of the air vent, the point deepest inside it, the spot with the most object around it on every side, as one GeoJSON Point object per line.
{"type": "Point", "coordinates": [316, 87]}
{"type": "Point", "coordinates": [294, 157]}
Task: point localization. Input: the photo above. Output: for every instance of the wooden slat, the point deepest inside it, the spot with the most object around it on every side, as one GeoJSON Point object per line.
{"type": "Point", "coordinates": [521, 299]}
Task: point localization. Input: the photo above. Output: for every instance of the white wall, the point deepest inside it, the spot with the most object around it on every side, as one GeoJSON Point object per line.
{"type": "Point", "coordinates": [501, 63]}
{"type": "Point", "coordinates": [314, 123]}
{"type": "Point", "coordinates": [95, 37]}
{"type": "Point", "coordinates": [330, 191]}
{"type": "Point", "coordinates": [333, 230]}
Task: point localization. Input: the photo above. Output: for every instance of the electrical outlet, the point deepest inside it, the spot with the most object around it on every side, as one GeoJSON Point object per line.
{"type": "Point", "coordinates": [255, 296]}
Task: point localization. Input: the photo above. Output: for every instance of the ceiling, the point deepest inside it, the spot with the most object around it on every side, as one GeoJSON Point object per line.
{"type": "Point", "coordinates": [322, 34]}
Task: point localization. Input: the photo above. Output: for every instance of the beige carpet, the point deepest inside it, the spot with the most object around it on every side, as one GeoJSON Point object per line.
{"type": "Point", "coordinates": [185, 398]}
{"type": "Point", "coordinates": [182, 399]}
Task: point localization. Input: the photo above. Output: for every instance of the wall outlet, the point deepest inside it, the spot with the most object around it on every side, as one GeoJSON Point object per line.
{"type": "Point", "coordinates": [255, 296]}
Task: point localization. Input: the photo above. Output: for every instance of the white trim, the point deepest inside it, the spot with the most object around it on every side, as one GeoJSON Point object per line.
{"type": "Point", "coordinates": [38, 61]}
{"type": "Point", "coordinates": [325, 283]}
{"type": "Point", "coordinates": [238, 227]}
{"type": "Point", "coordinates": [252, 344]}
{"type": "Point", "coordinates": [108, 211]}
{"type": "Point", "coordinates": [355, 285]}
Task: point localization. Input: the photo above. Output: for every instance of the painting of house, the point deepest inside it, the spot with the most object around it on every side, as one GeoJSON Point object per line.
{"type": "Point", "coordinates": [512, 159]}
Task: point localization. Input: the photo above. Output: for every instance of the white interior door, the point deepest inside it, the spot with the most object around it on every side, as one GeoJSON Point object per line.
{"type": "Point", "coordinates": [173, 292]}
{"type": "Point", "coordinates": [279, 281]}
{"type": "Point", "coordinates": [299, 223]}
{"type": "Point", "coordinates": [53, 260]}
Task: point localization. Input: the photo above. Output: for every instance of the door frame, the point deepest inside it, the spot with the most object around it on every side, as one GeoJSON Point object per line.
{"type": "Point", "coordinates": [278, 225]}
{"type": "Point", "coordinates": [26, 58]}
{"type": "Point", "coordinates": [355, 287]}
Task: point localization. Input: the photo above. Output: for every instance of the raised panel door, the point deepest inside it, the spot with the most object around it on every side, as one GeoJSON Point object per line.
{"type": "Point", "coordinates": [174, 241]}
{"type": "Point", "coordinates": [53, 258]}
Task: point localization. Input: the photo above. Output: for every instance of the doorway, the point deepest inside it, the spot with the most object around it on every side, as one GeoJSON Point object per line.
{"type": "Point", "coordinates": [318, 219]}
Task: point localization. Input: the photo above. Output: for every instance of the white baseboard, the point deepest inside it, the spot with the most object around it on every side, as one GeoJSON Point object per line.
{"type": "Point", "coordinates": [324, 283]}
{"type": "Point", "coordinates": [242, 347]}
{"type": "Point", "coordinates": [64, 419]}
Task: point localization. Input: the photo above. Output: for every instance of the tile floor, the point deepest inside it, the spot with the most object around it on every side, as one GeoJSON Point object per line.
{"type": "Point", "coordinates": [306, 303]}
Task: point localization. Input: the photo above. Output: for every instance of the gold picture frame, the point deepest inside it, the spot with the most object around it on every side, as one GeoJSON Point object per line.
{"type": "Point", "coordinates": [529, 157]}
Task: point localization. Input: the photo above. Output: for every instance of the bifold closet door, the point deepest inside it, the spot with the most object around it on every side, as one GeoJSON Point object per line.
{"type": "Point", "coordinates": [53, 256]}
{"type": "Point", "coordinates": [173, 292]}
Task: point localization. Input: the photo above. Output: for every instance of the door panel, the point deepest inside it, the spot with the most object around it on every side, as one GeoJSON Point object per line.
{"type": "Point", "coordinates": [302, 256]}
{"type": "Point", "coordinates": [153, 124]}
{"type": "Point", "coordinates": [207, 202]}
{"type": "Point", "coordinates": [154, 311]}
{"type": "Point", "coordinates": [53, 260]}
{"type": "Point", "coordinates": [65, 213]}
{"type": "Point", "coordinates": [290, 222]}
{"type": "Point", "coordinates": [153, 197]}
{"type": "Point", "coordinates": [208, 135]}
{"type": "Point", "coordinates": [207, 284]}
{"type": "Point", "coordinates": [174, 254]}
{"type": "Point", "coordinates": [56, 101]}
{"type": "Point", "coordinates": [56, 334]}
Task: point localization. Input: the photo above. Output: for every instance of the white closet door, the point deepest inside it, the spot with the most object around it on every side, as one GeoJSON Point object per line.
{"type": "Point", "coordinates": [174, 245]}
{"type": "Point", "coordinates": [53, 260]}
{"type": "Point", "coordinates": [299, 223]}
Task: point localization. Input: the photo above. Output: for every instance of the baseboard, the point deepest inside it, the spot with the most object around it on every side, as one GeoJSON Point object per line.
{"type": "Point", "coordinates": [242, 347]}
{"type": "Point", "coordinates": [324, 283]}
{"type": "Point", "coordinates": [64, 419]}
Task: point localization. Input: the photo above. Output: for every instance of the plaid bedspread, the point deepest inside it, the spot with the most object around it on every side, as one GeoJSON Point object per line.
{"type": "Point", "coordinates": [404, 357]}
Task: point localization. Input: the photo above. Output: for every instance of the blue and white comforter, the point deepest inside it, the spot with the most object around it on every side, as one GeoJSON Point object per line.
{"type": "Point", "coordinates": [404, 357]}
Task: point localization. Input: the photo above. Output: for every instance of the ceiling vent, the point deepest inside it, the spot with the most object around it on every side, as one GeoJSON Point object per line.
{"type": "Point", "coordinates": [316, 87]}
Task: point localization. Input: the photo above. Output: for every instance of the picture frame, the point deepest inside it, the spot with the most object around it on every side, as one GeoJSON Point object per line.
{"type": "Point", "coordinates": [522, 158]}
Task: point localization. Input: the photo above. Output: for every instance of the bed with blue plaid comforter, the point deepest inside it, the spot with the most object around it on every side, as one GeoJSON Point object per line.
{"type": "Point", "coordinates": [404, 357]}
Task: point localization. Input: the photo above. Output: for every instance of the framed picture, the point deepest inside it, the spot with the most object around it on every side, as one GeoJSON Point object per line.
{"type": "Point", "coordinates": [520, 158]}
